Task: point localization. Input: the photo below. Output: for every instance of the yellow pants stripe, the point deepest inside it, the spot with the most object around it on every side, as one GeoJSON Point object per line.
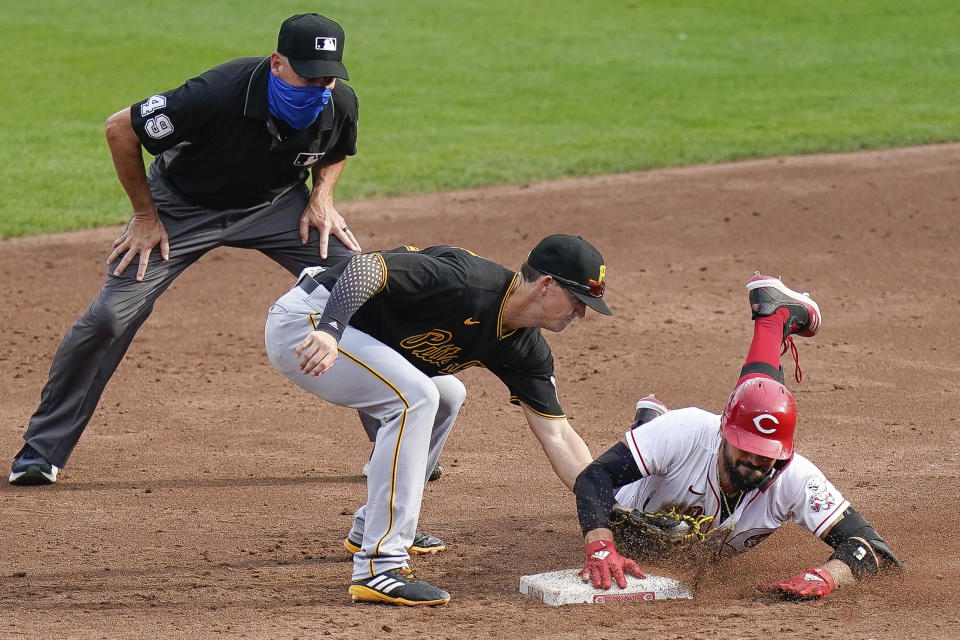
{"type": "Point", "coordinates": [396, 450]}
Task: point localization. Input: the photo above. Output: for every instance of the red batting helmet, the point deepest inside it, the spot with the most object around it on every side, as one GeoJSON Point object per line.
{"type": "Point", "coordinates": [760, 418]}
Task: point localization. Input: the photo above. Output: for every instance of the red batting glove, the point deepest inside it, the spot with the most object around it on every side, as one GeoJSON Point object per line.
{"type": "Point", "coordinates": [812, 583]}
{"type": "Point", "coordinates": [603, 560]}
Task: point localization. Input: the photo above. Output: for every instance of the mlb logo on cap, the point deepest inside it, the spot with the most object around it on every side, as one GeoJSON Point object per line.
{"type": "Point", "coordinates": [314, 46]}
{"type": "Point", "coordinates": [325, 44]}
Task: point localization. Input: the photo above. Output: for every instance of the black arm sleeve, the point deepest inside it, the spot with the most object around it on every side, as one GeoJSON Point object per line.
{"type": "Point", "coordinates": [362, 278]}
{"type": "Point", "coordinates": [854, 525]}
{"type": "Point", "coordinates": [597, 483]}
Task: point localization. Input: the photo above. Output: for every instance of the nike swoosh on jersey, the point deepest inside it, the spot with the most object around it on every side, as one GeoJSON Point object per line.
{"type": "Point", "coordinates": [692, 490]}
{"type": "Point", "coordinates": [471, 321]}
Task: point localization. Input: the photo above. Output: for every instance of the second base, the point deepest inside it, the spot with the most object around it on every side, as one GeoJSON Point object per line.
{"type": "Point", "coordinates": [565, 587]}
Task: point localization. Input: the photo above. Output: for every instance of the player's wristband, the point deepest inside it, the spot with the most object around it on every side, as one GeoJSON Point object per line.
{"type": "Point", "coordinates": [601, 545]}
{"type": "Point", "coordinates": [333, 328]}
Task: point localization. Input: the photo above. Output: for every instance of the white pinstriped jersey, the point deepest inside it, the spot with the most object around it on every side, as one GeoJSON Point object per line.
{"type": "Point", "coordinates": [677, 454]}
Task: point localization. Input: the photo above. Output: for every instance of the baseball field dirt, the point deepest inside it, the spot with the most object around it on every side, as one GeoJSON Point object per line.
{"type": "Point", "coordinates": [209, 497]}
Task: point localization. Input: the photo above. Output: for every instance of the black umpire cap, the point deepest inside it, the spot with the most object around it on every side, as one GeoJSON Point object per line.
{"type": "Point", "coordinates": [314, 46]}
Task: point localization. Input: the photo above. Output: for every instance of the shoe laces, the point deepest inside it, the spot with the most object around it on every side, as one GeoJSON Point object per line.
{"type": "Point", "coordinates": [789, 344]}
{"type": "Point", "coordinates": [407, 573]}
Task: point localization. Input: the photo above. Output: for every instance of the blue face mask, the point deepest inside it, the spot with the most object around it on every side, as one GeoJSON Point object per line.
{"type": "Point", "coordinates": [297, 106]}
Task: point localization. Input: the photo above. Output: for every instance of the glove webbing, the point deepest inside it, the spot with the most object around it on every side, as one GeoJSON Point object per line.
{"type": "Point", "coordinates": [656, 532]}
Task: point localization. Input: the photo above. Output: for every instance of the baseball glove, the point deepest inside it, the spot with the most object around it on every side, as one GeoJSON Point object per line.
{"type": "Point", "coordinates": [647, 535]}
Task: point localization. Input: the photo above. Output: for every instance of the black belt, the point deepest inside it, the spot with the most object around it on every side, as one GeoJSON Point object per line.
{"type": "Point", "coordinates": [308, 284]}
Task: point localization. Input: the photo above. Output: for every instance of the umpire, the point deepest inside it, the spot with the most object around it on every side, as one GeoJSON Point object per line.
{"type": "Point", "coordinates": [233, 149]}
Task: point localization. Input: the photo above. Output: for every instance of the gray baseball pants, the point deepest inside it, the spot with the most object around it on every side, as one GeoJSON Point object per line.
{"type": "Point", "coordinates": [416, 413]}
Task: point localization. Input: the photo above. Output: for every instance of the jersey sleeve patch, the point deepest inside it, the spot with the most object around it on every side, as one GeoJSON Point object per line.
{"type": "Point", "coordinates": [151, 104]}
{"type": "Point", "coordinates": [820, 497]}
{"type": "Point", "coordinates": [166, 119]}
{"type": "Point", "coordinates": [809, 497]}
{"type": "Point", "coordinates": [158, 127]}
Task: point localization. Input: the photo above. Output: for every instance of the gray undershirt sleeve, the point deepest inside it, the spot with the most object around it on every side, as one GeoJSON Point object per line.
{"type": "Point", "coordinates": [363, 277]}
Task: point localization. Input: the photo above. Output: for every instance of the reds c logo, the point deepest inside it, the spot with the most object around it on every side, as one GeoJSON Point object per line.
{"type": "Point", "coordinates": [765, 416]}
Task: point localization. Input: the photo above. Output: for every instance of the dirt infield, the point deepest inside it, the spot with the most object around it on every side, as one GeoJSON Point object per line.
{"type": "Point", "coordinates": [209, 496]}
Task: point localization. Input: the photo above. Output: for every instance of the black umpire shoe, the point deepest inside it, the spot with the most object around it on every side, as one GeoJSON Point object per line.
{"type": "Point", "coordinates": [422, 543]}
{"type": "Point", "coordinates": [29, 467]}
{"type": "Point", "coordinates": [398, 586]}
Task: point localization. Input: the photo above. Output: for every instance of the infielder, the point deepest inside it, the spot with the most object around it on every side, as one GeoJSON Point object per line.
{"type": "Point", "coordinates": [233, 149]}
{"type": "Point", "coordinates": [388, 330]}
{"type": "Point", "coordinates": [688, 481]}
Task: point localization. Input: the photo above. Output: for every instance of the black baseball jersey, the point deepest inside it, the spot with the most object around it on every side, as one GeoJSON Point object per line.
{"type": "Point", "coordinates": [218, 145]}
{"type": "Point", "coordinates": [441, 309]}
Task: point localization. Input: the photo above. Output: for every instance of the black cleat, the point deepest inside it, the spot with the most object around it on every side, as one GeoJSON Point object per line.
{"type": "Point", "coordinates": [648, 408]}
{"type": "Point", "coordinates": [422, 544]}
{"type": "Point", "coordinates": [768, 294]}
{"type": "Point", "coordinates": [400, 587]}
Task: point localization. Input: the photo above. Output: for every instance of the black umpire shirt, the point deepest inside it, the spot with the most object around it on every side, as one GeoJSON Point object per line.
{"type": "Point", "coordinates": [441, 309]}
{"type": "Point", "coordinates": [217, 144]}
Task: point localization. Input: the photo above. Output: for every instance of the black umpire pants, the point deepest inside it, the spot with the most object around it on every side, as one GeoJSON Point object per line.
{"type": "Point", "coordinates": [92, 349]}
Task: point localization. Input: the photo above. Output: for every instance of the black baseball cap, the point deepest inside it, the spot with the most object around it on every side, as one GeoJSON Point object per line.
{"type": "Point", "coordinates": [314, 46]}
{"type": "Point", "coordinates": [576, 265]}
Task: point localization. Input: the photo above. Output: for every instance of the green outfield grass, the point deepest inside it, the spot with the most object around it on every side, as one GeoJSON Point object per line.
{"type": "Point", "coordinates": [457, 93]}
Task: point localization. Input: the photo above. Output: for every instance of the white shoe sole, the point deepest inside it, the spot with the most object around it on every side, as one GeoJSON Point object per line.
{"type": "Point", "coordinates": [650, 404]}
{"type": "Point", "coordinates": [34, 476]}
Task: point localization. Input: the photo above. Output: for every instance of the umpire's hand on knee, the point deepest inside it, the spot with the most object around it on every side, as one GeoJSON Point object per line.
{"type": "Point", "coordinates": [143, 233]}
{"type": "Point", "coordinates": [317, 352]}
{"type": "Point", "coordinates": [327, 220]}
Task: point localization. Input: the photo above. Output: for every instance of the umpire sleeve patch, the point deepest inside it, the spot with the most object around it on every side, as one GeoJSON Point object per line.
{"type": "Point", "coordinates": [151, 104]}
{"type": "Point", "coordinates": [159, 127]}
